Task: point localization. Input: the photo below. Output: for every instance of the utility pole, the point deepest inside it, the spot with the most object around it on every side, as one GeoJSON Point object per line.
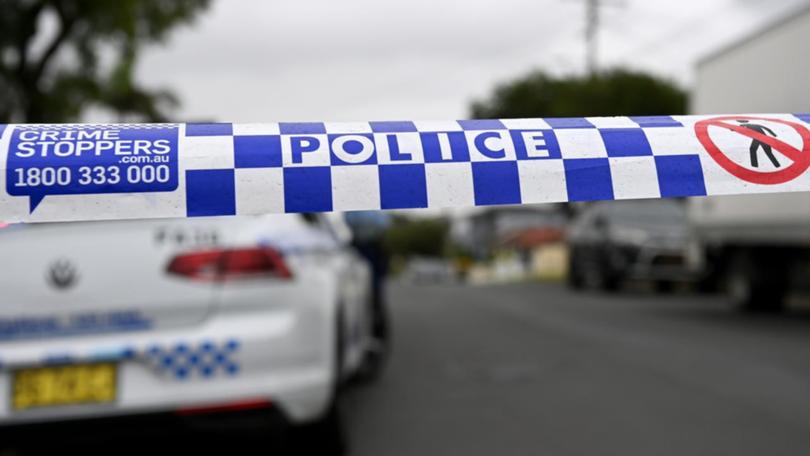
{"type": "Point", "coordinates": [592, 23]}
{"type": "Point", "coordinates": [591, 28]}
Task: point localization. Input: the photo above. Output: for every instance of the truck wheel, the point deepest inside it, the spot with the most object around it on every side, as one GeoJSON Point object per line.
{"type": "Point", "coordinates": [708, 284]}
{"type": "Point", "coordinates": [756, 283]}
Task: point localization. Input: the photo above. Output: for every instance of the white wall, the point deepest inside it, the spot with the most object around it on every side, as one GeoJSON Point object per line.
{"type": "Point", "coordinates": [768, 73]}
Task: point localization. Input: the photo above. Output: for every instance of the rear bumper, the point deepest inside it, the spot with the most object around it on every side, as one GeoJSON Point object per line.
{"type": "Point", "coordinates": [279, 355]}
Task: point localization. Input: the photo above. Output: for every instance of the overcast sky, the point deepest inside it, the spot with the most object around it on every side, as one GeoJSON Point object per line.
{"type": "Point", "coordinates": [248, 60]}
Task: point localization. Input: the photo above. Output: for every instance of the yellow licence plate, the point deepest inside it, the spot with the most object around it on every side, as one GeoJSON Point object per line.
{"type": "Point", "coordinates": [64, 385]}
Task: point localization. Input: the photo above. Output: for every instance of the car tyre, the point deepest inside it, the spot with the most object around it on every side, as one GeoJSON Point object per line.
{"type": "Point", "coordinates": [574, 278]}
{"type": "Point", "coordinates": [598, 274]}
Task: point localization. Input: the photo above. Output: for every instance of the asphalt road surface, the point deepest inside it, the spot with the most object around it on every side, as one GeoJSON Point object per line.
{"type": "Point", "coordinates": [536, 369]}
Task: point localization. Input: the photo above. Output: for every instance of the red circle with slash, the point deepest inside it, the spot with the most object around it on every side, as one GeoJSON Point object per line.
{"type": "Point", "coordinates": [800, 158]}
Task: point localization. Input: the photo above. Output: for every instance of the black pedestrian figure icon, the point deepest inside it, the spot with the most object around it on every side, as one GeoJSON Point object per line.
{"type": "Point", "coordinates": [757, 144]}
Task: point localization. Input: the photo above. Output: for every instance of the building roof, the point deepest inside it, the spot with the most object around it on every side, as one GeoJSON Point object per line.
{"type": "Point", "coordinates": [532, 237]}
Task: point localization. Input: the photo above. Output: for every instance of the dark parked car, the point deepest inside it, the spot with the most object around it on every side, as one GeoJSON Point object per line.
{"type": "Point", "coordinates": [612, 241]}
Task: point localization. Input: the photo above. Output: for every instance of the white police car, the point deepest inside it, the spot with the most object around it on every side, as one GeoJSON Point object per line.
{"type": "Point", "coordinates": [186, 316]}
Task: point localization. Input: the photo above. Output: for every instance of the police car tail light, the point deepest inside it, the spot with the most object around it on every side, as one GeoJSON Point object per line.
{"type": "Point", "coordinates": [230, 264]}
{"type": "Point", "coordinates": [258, 261]}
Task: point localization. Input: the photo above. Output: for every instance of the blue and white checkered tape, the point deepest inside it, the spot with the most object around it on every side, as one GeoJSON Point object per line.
{"type": "Point", "coordinates": [105, 171]}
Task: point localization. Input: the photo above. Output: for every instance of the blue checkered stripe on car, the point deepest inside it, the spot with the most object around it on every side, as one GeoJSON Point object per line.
{"type": "Point", "coordinates": [193, 360]}
{"type": "Point", "coordinates": [314, 167]}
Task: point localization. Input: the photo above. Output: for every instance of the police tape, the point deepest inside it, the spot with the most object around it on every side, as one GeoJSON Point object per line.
{"type": "Point", "coordinates": [70, 172]}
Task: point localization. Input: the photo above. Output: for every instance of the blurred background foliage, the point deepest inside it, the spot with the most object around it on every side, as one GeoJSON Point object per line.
{"type": "Point", "coordinates": [59, 58]}
{"type": "Point", "coordinates": [617, 92]}
{"type": "Point", "coordinates": [417, 237]}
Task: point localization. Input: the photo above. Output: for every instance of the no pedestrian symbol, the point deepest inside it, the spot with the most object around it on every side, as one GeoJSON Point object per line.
{"type": "Point", "coordinates": [789, 161]}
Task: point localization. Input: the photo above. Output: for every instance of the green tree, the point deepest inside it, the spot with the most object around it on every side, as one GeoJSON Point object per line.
{"type": "Point", "coordinates": [613, 93]}
{"type": "Point", "coordinates": [59, 57]}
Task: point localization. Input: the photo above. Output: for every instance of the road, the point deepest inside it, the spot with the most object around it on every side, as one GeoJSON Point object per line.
{"type": "Point", "coordinates": [535, 369]}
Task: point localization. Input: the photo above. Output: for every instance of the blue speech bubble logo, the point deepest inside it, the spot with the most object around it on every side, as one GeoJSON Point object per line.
{"type": "Point", "coordinates": [77, 159]}
{"type": "Point", "coordinates": [34, 200]}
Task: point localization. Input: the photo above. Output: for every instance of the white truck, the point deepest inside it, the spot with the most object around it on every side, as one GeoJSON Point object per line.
{"type": "Point", "coordinates": [757, 245]}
